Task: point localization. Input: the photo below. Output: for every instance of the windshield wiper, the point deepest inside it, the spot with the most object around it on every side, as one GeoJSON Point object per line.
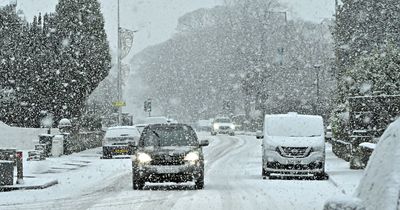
{"type": "Point", "coordinates": [158, 137]}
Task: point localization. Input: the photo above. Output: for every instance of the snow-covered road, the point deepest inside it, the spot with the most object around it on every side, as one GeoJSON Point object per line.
{"type": "Point", "coordinates": [233, 181]}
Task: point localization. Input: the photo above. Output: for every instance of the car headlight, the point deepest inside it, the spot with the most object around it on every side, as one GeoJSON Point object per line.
{"type": "Point", "coordinates": [269, 147]}
{"type": "Point", "coordinates": [143, 158]}
{"type": "Point", "coordinates": [232, 127]}
{"type": "Point", "coordinates": [192, 156]}
{"type": "Point", "coordinates": [216, 126]}
{"type": "Point", "coordinates": [320, 148]}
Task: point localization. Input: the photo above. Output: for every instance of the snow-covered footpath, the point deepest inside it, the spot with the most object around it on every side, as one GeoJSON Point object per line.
{"type": "Point", "coordinates": [233, 181]}
{"type": "Point", "coordinates": [20, 138]}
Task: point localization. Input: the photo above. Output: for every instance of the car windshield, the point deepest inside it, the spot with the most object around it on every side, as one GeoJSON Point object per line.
{"type": "Point", "coordinates": [222, 120]}
{"type": "Point", "coordinates": [169, 136]}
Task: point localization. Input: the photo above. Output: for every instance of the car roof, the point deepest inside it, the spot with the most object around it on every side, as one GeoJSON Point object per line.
{"type": "Point", "coordinates": [122, 127]}
{"type": "Point", "coordinates": [169, 125]}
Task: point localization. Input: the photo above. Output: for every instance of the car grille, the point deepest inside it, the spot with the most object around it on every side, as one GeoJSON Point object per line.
{"type": "Point", "coordinates": [224, 127]}
{"type": "Point", "coordinates": [294, 152]}
{"type": "Point", "coordinates": [168, 160]}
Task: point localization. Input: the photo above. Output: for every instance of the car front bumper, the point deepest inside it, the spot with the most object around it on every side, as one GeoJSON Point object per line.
{"type": "Point", "coordinates": [173, 173]}
{"type": "Point", "coordinates": [224, 131]}
{"type": "Point", "coordinates": [117, 150]}
{"type": "Point", "coordinates": [312, 164]}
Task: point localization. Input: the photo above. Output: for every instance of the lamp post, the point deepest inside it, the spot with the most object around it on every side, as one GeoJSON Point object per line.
{"type": "Point", "coordinates": [119, 77]}
{"type": "Point", "coordinates": [317, 68]}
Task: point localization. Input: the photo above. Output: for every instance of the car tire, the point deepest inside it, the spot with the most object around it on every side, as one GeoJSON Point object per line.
{"type": "Point", "coordinates": [265, 174]}
{"type": "Point", "coordinates": [213, 134]}
{"type": "Point", "coordinates": [137, 184]}
{"type": "Point", "coordinates": [232, 134]}
{"type": "Point", "coordinates": [199, 183]}
{"type": "Point", "coordinates": [106, 154]}
{"type": "Point", "coordinates": [321, 176]}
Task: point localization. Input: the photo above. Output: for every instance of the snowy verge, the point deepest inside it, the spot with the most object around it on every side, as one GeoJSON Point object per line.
{"type": "Point", "coordinates": [20, 138]}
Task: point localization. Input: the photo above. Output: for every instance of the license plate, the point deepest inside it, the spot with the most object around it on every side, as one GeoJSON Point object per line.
{"type": "Point", "coordinates": [167, 170]}
{"type": "Point", "coordinates": [295, 162]}
{"type": "Point", "coordinates": [121, 151]}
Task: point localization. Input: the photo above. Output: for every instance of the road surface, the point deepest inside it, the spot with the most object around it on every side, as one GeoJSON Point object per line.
{"type": "Point", "coordinates": [232, 181]}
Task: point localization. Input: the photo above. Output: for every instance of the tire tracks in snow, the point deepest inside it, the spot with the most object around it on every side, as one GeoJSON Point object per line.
{"type": "Point", "coordinates": [221, 149]}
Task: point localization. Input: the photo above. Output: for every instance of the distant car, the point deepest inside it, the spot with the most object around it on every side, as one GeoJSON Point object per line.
{"type": "Point", "coordinates": [293, 145]}
{"type": "Point", "coordinates": [379, 188]}
{"type": "Point", "coordinates": [223, 125]}
{"type": "Point", "coordinates": [117, 141]}
{"type": "Point", "coordinates": [168, 153]}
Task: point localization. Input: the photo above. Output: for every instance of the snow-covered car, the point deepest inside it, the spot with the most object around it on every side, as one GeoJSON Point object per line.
{"type": "Point", "coordinates": [379, 188]}
{"type": "Point", "coordinates": [293, 145]}
{"type": "Point", "coordinates": [119, 141]}
{"type": "Point", "coordinates": [222, 125]}
{"type": "Point", "coordinates": [168, 153]}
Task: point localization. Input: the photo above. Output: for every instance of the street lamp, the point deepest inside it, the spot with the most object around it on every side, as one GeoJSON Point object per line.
{"type": "Point", "coordinates": [119, 82]}
{"type": "Point", "coordinates": [317, 68]}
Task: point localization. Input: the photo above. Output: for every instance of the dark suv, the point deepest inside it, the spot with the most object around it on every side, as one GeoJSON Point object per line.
{"type": "Point", "coordinates": [168, 153]}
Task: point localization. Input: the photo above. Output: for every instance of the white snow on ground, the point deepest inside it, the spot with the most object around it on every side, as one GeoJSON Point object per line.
{"type": "Point", "coordinates": [20, 138]}
{"type": "Point", "coordinates": [233, 181]}
{"type": "Point", "coordinates": [340, 174]}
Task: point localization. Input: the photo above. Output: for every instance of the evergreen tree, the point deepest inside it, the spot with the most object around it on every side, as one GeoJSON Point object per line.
{"type": "Point", "coordinates": [362, 27]}
{"type": "Point", "coordinates": [10, 37]}
{"type": "Point", "coordinates": [83, 53]}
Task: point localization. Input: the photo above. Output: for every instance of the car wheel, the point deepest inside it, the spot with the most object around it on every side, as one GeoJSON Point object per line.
{"type": "Point", "coordinates": [232, 134]}
{"type": "Point", "coordinates": [199, 183]}
{"type": "Point", "coordinates": [265, 174]}
{"type": "Point", "coordinates": [106, 155]}
{"type": "Point", "coordinates": [321, 176]}
{"type": "Point", "coordinates": [138, 184]}
{"type": "Point", "coordinates": [213, 134]}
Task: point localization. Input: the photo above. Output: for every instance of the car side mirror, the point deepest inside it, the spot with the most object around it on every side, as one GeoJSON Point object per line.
{"type": "Point", "coordinates": [204, 143]}
{"type": "Point", "coordinates": [344, 204]}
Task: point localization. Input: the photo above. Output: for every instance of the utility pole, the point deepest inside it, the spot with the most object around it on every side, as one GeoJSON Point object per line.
{"type": "Point", "coordinates": [317, 67]}
{"type": "Point", "coordinates": [119, 77]}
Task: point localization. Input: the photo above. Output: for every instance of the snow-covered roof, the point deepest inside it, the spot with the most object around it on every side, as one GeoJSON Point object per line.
{"type": "Point", "coordinates": [380, 186]}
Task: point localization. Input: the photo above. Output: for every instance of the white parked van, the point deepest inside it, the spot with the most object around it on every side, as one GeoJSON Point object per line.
{"type": "Point", "coordinates": [293, 145]}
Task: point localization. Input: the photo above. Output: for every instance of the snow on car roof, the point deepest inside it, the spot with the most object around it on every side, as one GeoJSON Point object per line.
{"type": "Point", "coordinates": [122, 131]}
{"type": "Point", "coordinates": [293, 124]}
{"type": "Point", "coordinates": [380, 185]}
{"type": "Point", "coordinates": [141, 125]}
